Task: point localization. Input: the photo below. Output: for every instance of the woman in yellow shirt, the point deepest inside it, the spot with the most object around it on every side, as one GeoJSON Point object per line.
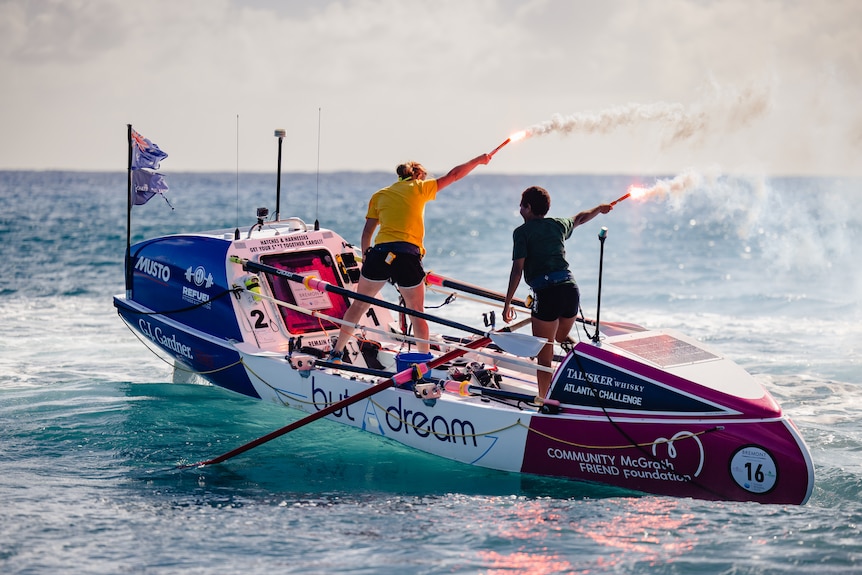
{"type": "Point", "coordinates": [399, 211]}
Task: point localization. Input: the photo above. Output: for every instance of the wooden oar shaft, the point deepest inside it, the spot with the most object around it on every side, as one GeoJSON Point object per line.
{"type": "Point", "coordinates": [368, 392]}
{"type": "Point", "coordinates": [435, 279]}
{"type": "Point", "coordinates": [438, 280]}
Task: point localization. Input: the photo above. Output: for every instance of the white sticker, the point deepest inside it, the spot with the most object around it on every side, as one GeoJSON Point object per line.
{"type": "Point", "coordinates": [753, 469]}
{"type": "Point", "coordinates": [309, 298]}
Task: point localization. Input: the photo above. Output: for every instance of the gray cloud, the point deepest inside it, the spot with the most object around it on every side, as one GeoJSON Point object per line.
{"type": "Point", "coordinates": [764, 85]}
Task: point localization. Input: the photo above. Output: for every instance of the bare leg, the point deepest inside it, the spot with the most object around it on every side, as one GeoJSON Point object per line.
{"type": "Point", "coordinates": [564, 328]}
{"type": "Point", "coordinates": [414, 298]}
{"type": "Point", "coordinates": [356, 310]}
{"type": "Point", "coordinates": [547, 330]}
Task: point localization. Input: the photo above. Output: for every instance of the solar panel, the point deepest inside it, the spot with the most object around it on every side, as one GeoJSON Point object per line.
{"type": "Point", "coordinates": [665, 350]}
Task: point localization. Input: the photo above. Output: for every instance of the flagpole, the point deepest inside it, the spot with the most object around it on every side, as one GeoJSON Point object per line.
{"type": "Point", "coordinates": [128, 257]}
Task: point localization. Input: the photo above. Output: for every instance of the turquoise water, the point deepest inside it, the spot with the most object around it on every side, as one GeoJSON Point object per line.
{"type": "Point", "coordinates": [91, 427]}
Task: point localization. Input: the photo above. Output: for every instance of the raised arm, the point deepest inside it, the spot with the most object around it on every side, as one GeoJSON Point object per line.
{"type": "Point", "coordinates": [587, 215]}
{"type": "Point", "coordinates": [461, 170]}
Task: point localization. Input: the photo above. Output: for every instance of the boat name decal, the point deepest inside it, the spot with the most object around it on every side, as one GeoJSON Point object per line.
{"type": "Point", "coordinates": [400, 419]}
{"type": "Point", "coordinates": [604, 380]}
{"type": "Point", "coordinates": [158, 336]}
{"type": "Point", "coordinates": [573, 373]}
{"type": "Point", "coordinates": [157, 270]}
{"type": "Point", "coordinates": [284, 243]}
{"type": "Point", "coordinates": [586, 382]}
{"type": "Point", "coordinates": [321, 397]}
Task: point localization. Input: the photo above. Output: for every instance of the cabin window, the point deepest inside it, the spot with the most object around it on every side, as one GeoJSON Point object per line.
{"type": "Point", "coordinates": [320, 264]}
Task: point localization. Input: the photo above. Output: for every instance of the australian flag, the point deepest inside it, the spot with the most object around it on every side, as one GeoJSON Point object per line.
{"type": "Point", "coordinates": [145, 154]}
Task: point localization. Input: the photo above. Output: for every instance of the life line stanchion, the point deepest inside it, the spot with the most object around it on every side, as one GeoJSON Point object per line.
{"type": "Point", "coordinates": [603, 234]}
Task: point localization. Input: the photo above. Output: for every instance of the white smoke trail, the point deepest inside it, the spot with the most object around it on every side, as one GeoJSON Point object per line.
{"type": "Point", "coordinates": [728, 110]}
{"type": "Point", "coordinates": [677, 186]}
{"type": "Point", "coordinates": [684, 124]}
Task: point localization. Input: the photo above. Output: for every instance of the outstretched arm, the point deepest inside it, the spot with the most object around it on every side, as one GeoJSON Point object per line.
{"type": "Point", "coordinates": [461, 170]}
{"type": "Point", "coordinates": [587, 215]}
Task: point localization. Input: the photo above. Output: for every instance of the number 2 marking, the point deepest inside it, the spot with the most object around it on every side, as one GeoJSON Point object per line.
{"type": "Point", "coordinates": [259, 322]}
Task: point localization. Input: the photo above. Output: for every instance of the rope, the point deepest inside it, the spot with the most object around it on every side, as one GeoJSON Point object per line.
{"type": "Point", "coordinates": [189, 308]}
{"type": "Point", "coordinates": [519, 423]}
{"type": "Point", "coordinates": [452, 297]}
{"type": "Point", "coordinates": [280, 392]}
{"type": "Point", "coordinates": [624, 446]}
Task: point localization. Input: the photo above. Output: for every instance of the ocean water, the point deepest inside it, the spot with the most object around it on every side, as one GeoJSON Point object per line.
{"type": "Point", "coordinates": [91, 425]}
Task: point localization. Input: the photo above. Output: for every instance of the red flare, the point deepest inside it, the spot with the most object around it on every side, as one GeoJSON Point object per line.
{"type": "Point", "coordinates": [634, 192]}
{"type": "Point", "coordinates": [513, 138]}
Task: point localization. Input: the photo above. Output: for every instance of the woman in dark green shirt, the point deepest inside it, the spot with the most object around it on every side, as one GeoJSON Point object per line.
{"type": "Point", "coordinates": [539, 254]}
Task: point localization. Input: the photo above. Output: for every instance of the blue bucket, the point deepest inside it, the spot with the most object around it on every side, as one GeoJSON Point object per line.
{"type": "Point", "coordinates": [405, 360]}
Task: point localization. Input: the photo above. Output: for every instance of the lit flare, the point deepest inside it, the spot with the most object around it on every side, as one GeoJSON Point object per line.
{"type": "Point", "coordinates": [634, 192]}
{"type": "Point", "coordinates": [513, 138]}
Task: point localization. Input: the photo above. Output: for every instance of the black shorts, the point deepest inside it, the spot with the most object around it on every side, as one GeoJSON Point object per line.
{"type": "Point", "coordinates": [404, 269]}
{"type": "Point", "coordinates": [556, 301]}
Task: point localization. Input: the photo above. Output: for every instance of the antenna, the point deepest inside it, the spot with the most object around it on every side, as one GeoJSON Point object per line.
{"type": "Point", "coordinates": [317, 193]}
{"type": "Point", "coordinates": [236, 231]}
{"type": "Point", "coordinates": [279, 133]}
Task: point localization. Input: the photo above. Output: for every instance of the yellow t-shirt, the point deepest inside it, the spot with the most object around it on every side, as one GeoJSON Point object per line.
{"type": "Point", "coordinates": [400, 210]}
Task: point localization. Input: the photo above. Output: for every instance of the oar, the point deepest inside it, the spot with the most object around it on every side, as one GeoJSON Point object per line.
{"type": "Point", "coordinates": [338, 405]}
{"type": "Point", "coordinates": [515, 343]}
{"type": "Point", "coordinates": [438, 280]}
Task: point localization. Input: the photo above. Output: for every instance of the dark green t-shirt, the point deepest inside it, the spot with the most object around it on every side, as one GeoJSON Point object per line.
{"type": "Point", "coordinates": [541, 243]}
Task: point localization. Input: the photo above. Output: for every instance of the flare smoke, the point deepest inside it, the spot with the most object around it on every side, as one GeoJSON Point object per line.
{"type": "Point", "coordinates": [680, 184]}
{"type": "Point", "coordinates": [727, 112]}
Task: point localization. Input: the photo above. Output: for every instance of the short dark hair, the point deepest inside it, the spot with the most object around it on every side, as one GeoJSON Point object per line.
{"type": "Point", "coordinates": [538, 199]}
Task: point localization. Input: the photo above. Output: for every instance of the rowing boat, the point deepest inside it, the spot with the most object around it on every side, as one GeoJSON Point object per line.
{"type": "Point", "coordinates": [650, 410]}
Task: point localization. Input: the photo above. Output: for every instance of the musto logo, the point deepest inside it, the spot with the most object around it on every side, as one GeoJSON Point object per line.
{"type": "Point", "coordinates": [155, 269]}
{"type": "Point", "coordinates": [170, 342]}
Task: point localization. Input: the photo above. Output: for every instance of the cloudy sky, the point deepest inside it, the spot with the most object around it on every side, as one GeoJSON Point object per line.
{"type": "Point", "coordinates": [633, 87]}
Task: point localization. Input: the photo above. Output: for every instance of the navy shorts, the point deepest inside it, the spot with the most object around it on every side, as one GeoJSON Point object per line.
{"type": "Point", "coordinates": [556, 301]}
{"type": "Point", "coordinates": [404, 269]}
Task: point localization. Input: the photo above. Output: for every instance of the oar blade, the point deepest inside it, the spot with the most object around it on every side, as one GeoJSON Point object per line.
{"type": "Point", "coordinates": [519, 344]}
